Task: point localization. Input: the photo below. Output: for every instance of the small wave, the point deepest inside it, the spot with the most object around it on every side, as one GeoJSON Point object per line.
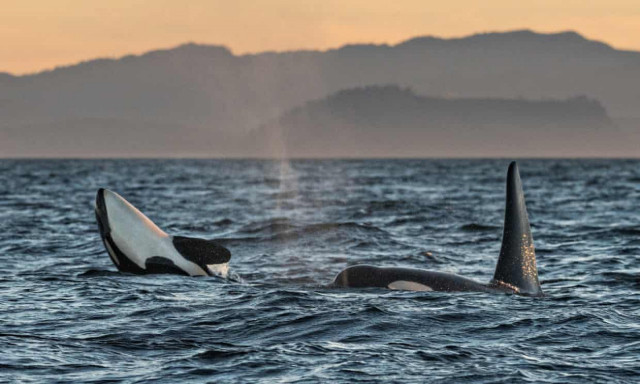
{"type": "Point", "coordinates": [218, 354]}
{"type": "Point", "coordinates": [474, 227]}
{"type": "Point", "coordinates": [286, 231]}
{"type": "Point", "coordinates": [623, 276]}
{"type": "Point", "coordinates": [626, 231]}
{"type": "Point", "coordinates": [555, 281]}
{"type": "Point", "coordinates": [267, 227]}
{"type": "Point", "coordinates": [285, 195]}
{"type": "Point", "coordinates": [223, 223]}
{"type": "Point", "coordinates": [98, 273]}
{"type": "Point", "coordinates": [445, 356]}
{"type": "Point", "coordinates": [330, 227]}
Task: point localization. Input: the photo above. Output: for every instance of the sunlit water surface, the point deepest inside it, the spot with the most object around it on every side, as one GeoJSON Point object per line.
{"type": "Point", "coordinates": [66, 315]}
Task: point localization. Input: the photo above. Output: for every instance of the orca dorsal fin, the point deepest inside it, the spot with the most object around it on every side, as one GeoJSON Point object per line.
{"type": "Point", "coordinates": [516, 267]}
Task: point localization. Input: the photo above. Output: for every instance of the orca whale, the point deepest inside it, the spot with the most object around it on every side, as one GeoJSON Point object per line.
{"type": "Point", "coordinates": [136, 245]}
{"type": "Point", "coordinates": [516, 271]}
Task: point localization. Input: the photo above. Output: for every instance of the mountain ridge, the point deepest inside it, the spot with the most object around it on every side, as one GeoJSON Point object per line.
{"type": "Point", "coordinates": [204, 95]}
{"type": "Point", "coordinates": [417, 41]}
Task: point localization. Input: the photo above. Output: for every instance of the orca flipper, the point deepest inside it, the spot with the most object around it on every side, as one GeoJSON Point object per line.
{"type": "Point", "coordinates": [162, 265]}
{"type": "Point", "coordinates": [200, 251]}
{"type": "Point", "coordinates": [516, 268]}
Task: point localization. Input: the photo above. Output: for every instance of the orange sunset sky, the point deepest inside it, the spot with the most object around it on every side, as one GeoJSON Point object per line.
{"type": "Point", "coordinates": [41, 34]}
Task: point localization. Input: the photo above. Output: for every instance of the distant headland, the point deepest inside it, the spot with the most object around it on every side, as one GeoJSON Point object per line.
{"type": "Point", "coordinates": [198, 100]}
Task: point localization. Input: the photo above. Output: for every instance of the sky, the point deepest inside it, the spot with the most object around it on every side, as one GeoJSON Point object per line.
{"type": "Point", "coordinates": [41, 34]}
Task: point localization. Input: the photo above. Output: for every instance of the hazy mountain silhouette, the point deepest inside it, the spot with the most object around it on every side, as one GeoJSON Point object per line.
{"type": "Point", "coordinates": [202, 100]}
{"type": "Point", "coordinates": [390, 121]}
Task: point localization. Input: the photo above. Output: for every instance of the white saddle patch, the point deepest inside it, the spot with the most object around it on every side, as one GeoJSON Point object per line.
{"type": "Point", "coordinates": [409, 286]}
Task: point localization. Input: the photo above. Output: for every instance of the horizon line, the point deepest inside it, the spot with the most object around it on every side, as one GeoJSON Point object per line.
{"type": "Point", "coordinates": [296, 158]}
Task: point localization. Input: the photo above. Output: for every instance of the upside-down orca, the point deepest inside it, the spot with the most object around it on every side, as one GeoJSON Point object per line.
{"type": "Point", "coordinates": [136, 245]}
{"type": "Point", "coordinates": [516, 271]}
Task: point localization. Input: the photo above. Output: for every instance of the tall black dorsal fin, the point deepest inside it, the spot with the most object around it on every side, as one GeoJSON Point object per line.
{"type": "Point", "coordinates": [517, 263]}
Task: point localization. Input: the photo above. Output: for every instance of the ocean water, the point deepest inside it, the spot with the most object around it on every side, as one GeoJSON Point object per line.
{"type": "Point", "coordinates": [66, 315]}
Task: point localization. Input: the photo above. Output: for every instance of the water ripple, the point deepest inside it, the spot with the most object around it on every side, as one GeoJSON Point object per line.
{"type": "Point", "coordinates": [66, 315]}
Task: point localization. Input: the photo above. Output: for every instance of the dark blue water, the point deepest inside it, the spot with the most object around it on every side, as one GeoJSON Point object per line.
{"type": "Point", "coordinates": [67, 316]}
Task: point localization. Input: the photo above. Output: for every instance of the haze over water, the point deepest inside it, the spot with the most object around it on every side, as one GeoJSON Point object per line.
{"type": "Point", "coordinates": [291, 226]}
